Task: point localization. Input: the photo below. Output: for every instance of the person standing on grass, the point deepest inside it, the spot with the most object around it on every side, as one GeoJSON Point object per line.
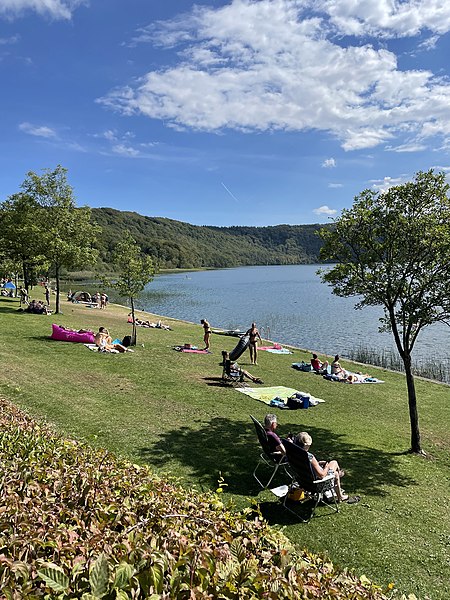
{"type": "Point", "coordinates": [47, 295]}
{"type": "Point", "coordinates": [254, 336]}
{"type": "Point", "coordinates": [206, 332]}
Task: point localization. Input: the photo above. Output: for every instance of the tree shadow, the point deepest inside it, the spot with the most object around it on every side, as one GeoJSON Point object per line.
{"type": "Point", "coordinates": [231, 448]}
{"type": "Point", "coordinates": [4, 308]}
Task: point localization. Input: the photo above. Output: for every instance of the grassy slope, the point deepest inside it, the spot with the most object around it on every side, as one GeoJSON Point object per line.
{"type": "Point", "coordinates": [160, 407]}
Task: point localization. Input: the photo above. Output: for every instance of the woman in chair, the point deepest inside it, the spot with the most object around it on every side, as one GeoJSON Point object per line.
{"type": "Point", "coordinates": [322, 468]}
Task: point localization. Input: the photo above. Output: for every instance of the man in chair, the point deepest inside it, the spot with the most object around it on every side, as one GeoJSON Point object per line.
{"type": "Point", "coordinates": [275, 444]}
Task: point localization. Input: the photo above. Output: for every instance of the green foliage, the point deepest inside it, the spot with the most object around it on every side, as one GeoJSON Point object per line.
{"type": "Point", "coordinates": [134, 271]}
{"type": "Point", "coordinates": [173, 244]}
{"type": "Point", "coordinates": [80, 523]}
{"type": "Point", "coordinates": [66, 232]}
{"type": "Point", "coordinates": [21, 235]}
{"type": "Point", "coordinates": [393, 250]}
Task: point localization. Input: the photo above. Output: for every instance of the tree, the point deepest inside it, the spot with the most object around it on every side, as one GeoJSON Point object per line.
{"type": "Point", "coordinates": [134, 270]}
{"type": "Point", "coordinates": [67, 233]}
{"type": "Point", "coordinates": [393, 249]}
{"type": "Point", "coordinates": [21, 235]}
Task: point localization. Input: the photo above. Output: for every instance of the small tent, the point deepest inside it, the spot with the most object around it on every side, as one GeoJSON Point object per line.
{"type": "Point", "coordinates": [81, 297]}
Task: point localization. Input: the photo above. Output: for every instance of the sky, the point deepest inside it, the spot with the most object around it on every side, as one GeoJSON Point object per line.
{"type": "Point", "coordinates": [224, 113]}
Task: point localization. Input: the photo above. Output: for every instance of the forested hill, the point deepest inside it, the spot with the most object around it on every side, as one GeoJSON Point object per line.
{"type": "Point", "coordinates": [180, 245]}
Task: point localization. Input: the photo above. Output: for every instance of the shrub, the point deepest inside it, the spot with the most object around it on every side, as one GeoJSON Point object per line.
{"type": "Point", "coordinates": [78, 522]}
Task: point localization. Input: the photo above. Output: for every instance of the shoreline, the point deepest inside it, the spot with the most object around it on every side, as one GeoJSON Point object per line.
{"type": "Point", "coordinates": [289, 346]}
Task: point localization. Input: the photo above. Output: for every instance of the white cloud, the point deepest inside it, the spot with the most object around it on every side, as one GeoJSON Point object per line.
{"type": "Point", "coordinates": [335, 185]}
{"type": "Point", "coordinates": [55, 9]}
{"type": "Point", "coordinates": [386, 18]}
{"type": "Point", "coordinates": [329, 163]}
{"type": "Point", "coordinates": [37, 130]}
{"type": "Point", "coordinates": [413, 147]}
{"type": "Point", "coordinates": [325, 210]}
{"type": "Point", "coordinates": [269, 65]}
{"type": "Point", "coordinates": [444, 169]}
{"type": "Point", "coordinates": [382, 185]}
{"type": "Point", "coordinates": [12, 39]}
{"type": "Point", "coordinates": [124, 150]}
{"type": "Point", "coordinates": [429, 43]}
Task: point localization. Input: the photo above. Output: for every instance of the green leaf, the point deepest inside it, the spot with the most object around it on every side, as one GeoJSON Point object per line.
{"type": "Point", "coordinates": [123, 574]}
{"type": "Point", "coordinates": [54, 577]}
{"type": "Point", "coordinates": [99, 576]}
{"type": "Point", "coordinates": [121, 595]}
{"type": "Point", "coordinates": [157, 576]}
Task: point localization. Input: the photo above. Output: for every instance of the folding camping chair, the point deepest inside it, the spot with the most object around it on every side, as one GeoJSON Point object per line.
{"type": "Point", "coordinates": [305, 478]}
{"type": "Point", "coordinates": [273, 460]}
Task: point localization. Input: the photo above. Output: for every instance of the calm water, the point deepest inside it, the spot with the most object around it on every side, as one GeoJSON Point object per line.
{"type": "Point", "coordinates": [290, 304]}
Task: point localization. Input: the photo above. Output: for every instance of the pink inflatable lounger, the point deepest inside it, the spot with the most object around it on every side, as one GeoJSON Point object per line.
{"type": "Point", "coordinates": [68, 335]}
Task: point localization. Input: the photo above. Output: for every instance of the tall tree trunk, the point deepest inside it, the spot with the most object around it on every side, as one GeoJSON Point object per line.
{"type": "Point", "coordinates": [57, 288]}
{"type": "Point", "coordinates": [412, 403]}
{"type": "Point", "coordinates": [134, 331]}
{"type": "Point", "coordinates": [26, 281]}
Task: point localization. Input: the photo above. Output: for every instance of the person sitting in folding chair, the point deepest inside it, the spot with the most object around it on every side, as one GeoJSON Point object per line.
{"type": "Point", "coordinates": [233, 372]}
{"type": "Point", "coordinates": [322, 468]}
{"type": "Point", "coordinates": [275, 443]}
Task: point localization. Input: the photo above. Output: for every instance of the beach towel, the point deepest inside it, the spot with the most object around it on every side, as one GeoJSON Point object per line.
{"type": "Point", "coordinates": [274, 347]}
{"type": "Point", "coordinates": [192, 350]}
{"type": "Point", "coordinates": [359, 378]}
{"type": "Point", "coordinates": [95, 348]}
{"type": "Point", "coordinates": [279, 392]}
{"type": "Point", "coordinates": [302, 366]}
{"type": "Point", "coordinates": [278, 350]}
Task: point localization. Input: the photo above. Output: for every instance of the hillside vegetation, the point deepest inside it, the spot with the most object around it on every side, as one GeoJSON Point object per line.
{"type": "Point", "coordinates": [175, 244]}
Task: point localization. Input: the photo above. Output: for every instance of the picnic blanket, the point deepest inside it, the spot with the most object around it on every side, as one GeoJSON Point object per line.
{"type": "Point", "coordinates": [279, 391]}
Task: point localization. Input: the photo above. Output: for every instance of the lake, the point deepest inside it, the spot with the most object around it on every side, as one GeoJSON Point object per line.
{"type": "Point", "coordinates": [290, 305]}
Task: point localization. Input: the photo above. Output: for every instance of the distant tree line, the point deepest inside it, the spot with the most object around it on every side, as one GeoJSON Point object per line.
{"type": "Point", "coordinates": [43, 232]}
{"type": "Point", "coordinates": [178, 245]}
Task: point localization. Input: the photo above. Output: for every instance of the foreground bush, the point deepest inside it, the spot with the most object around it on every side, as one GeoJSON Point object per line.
{"type": "Point", "coordinates": [76, 522]}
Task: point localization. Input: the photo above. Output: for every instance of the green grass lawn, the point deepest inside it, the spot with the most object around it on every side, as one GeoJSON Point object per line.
{"type": "Point", "coordinates": [167, 409]}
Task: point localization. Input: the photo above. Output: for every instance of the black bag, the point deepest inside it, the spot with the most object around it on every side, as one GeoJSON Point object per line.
{"type": "Point", "coordinates": [126, 341]}
{"type": "Point", "coordinates": [298, 400]}
{"type": "Point", "coordinates": [294, 403]}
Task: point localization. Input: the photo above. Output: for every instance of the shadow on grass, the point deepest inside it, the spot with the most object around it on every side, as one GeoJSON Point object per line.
{"type": "Point", "coordinates": [231, 448]}
{"type": "Point", "coordinates": [11, 309]}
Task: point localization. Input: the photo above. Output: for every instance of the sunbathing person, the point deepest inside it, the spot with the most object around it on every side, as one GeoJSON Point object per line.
{"type": "Point", "coordinates": [318, 366]}
{"type": "Point", "coordinates": [336, 368]}
{"type": "Point", "coordinates": [322, 468]}
{"type": "Point", "coordinates": [104, 341]}
{"type": "Point", "coordinates": [75, 330]}
{"type": "Point", "coordinates": [232, 369]}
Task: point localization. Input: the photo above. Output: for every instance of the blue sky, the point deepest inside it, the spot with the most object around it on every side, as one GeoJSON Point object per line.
{"type": "Point", "coordinates": [224, 113]}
